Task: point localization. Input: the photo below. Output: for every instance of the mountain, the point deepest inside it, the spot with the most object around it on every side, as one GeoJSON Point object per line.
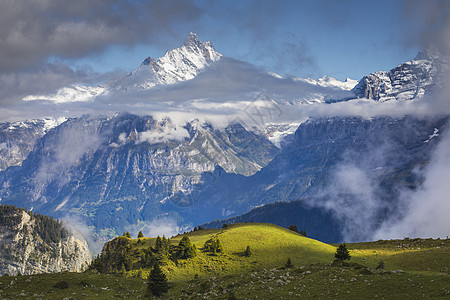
{"type": "Point", "coordinates": [332, 164]}
{"type": "Point", "coordinates": [31, 243]}
{"type": "Point", "coordinates": [179, 64]}
{"type": "Point", "coordinates": [121, 170]}
{"type": "Point", "coordinates": [17, 139]}
{"type": "Point", "coordinates": [126, 170]}
{"type": "Point", "coordinates": [407, 81]}
{"type": "Point", "coordinates": [328, 81]}
{"type": "Point", "coordinates": [176, 65]}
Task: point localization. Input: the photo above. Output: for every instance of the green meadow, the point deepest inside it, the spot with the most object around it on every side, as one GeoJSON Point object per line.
{"type": "Point", "coordinates": [412, 269]}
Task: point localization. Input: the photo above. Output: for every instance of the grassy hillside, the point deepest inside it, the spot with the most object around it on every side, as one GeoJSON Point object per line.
{"type": "Point", "coordinates": [413, 269]}
{"type": "Point", "coordinates": [271, 246]}
{"type": "Point", "coordinates": [416, 255]}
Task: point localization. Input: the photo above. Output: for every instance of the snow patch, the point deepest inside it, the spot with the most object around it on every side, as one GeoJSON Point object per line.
{"type": "Point", "coordinates": [435, 134]}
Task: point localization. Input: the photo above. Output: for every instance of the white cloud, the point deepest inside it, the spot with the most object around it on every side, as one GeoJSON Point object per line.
{"type": "Point", "coordinates": [426, 210]}
{"type": "Point", "coordinates": [162, 135]}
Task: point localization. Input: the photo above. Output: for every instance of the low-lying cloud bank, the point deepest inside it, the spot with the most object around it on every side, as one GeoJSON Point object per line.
{"type": "Point", "coordinates": [425, 210]}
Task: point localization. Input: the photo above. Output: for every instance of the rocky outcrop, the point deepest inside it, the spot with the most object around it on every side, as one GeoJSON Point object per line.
{"type": "Point", "coordinates": [32, 244]}
{"type": "Point", "coordinates": [407, 81]}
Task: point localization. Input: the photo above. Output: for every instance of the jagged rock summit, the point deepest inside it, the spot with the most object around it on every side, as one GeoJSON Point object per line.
{"type": "Point", "coordinates": [176, 65]}
{"type": "Point", "coordinates": [410, 80]}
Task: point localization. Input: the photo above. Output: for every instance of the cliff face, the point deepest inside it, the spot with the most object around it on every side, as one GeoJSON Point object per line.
{"type": "Point", "coordinates": [31, 244]}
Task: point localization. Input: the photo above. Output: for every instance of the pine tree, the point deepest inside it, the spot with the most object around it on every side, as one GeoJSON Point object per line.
{"type": "Point", "coordinates": [248, 252]}
{"type": "Point", "coordinates": [213, 245]}
{"type": "Point", "coordinates": [289, 263]}
{"type": "Point", "coordinates": [342, 253]}
{"type": "Point", "coordinates": [293, 228]}
{"type": "Point", "coordinates": [186, 249]}
{"type": "Point", "coordinates": [157, 281]}
{"type": "Point", "coordinates": [158, 245]}
{"type": "Point", "coordinates": [140, 235]}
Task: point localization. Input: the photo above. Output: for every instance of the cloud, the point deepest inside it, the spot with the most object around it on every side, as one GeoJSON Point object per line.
{"type": "Point", "coordinates": [352, 192]}
{"type": "Point", "coordinates": [425, 210]}
{"type": "Point", "coordinates": [427, 23]}
{"type": "Point", "coordinates": [80, 230]}
{"type": "Point", "coordinates": [42, 79]}
{"type": "Point", "coordinates": [76, 140]}
{"type": "Point", "coordinates": [30, 32]}
{"type": "Point", "coordinates": [163, 225]}
{"type": "Point", "coordinates": [165, 134]}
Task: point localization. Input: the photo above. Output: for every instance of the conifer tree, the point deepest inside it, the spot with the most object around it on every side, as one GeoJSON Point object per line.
{"type": "Point", "coordinates": [185, 248]}
{"type": "Point", "coordinates": [342, 253]}
{"type": "Point", "coordinates": [158, 245]}
{"type": "Point", "coordinates": [213, 245]}
{"type": "Point", "coordinates": [289, 263]}
{"type": "Point", "coordinates": [248, 252]}
{"type": "Point", "coordinates": [157, 281]}
{"type": "Point", "coordinates": [140, 235]}
{"type": "Point", "coordinates": [293, 228]}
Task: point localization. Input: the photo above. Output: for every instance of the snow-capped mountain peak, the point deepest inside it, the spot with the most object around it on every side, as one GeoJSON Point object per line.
{"type": "Point", "coordinates": [192, 40]}
{"type": "Point", "coordinates": [430, 53]}
{"type": "Point", "coordinates": [176, 65]}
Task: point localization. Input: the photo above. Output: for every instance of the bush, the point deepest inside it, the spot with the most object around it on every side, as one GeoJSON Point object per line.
{"type": "Point", "coordinates": [380, 265]}
{"type": "Point", "coordinates": [61, 285]}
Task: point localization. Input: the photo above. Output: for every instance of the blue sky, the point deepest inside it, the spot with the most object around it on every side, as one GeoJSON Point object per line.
{"type": "Point", "coordinates": [302, 38]}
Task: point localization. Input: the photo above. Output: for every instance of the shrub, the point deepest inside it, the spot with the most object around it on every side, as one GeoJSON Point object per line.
{"type": "Point", "coordinates": [61, 285]}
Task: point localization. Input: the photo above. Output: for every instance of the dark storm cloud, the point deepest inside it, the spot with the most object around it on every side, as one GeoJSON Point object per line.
{"type": "Point", "coordinates": [428, 23]}
{"type": "Point", "coordinates": [31, 31]}
{"type": "Point", "coordinates": [43, 79]}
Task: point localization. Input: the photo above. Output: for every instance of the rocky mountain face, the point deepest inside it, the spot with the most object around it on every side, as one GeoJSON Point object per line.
{"type": "Point", "coordinates": [334, 164]}
{"type": "Point", "coordinates": [119, 170]}
{"type": "Point", "coordinates": [407, 81]}
{"type": "Point", "coordinates": [32, 243]}
{"type": "Point", "coordinates": [17, 139]}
